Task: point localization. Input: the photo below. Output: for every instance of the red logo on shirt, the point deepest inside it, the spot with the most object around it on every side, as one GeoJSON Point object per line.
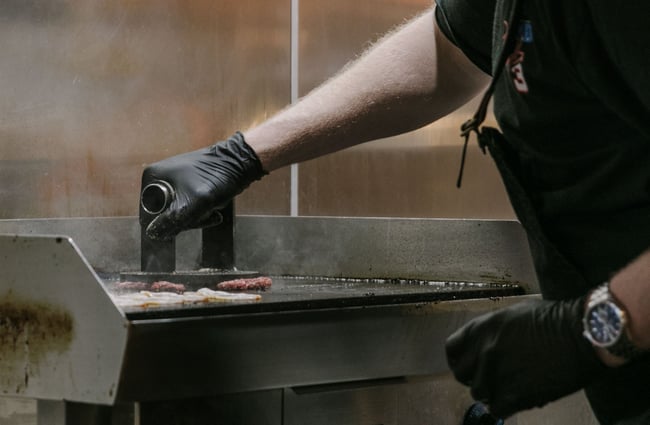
{"type": "Point", "coordinates": [515, 61]}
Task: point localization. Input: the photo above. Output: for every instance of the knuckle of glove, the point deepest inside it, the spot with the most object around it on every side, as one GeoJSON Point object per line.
{"type": "Point", "coordinates": [456, 352]}
{"type": "Point", "coordinates": [159, 230]}
{"type": "Point", "coordinates": [177, 218]}
{"type": "Point", "coordinates": [165, 226]}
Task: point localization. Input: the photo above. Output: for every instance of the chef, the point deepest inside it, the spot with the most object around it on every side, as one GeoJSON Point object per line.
{"type": "Point", "coordinates": [569, 85]}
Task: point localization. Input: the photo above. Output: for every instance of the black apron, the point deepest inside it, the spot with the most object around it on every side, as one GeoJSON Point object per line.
{"type": "Point", "coordinates": [622, 397]}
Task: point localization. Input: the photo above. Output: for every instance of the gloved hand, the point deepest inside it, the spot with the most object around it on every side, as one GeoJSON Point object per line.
{"type": "Point", "coordinates": [203, 181]}
{"type": "Point", "coordinates": [524, 356]}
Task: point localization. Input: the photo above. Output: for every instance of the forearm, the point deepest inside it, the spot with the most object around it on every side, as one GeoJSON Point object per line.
{"type": "Point", "coordinates": [409, 79]}
{"type": "Point", "coordinates": [631, 286]}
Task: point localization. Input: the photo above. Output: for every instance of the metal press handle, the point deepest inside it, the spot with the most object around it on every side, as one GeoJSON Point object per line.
{"type": "Point", "coordinates": [156, 197]}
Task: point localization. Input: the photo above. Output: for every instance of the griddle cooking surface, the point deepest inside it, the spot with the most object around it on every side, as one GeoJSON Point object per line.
{"type": "Point", "coordinates": [291, 294]}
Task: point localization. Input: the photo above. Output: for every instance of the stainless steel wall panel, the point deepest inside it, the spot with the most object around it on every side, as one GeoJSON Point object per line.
{"type": "Point", "coordinates": [93, 90]}
{"type": "Point", "coordinates": [403, 180]}
{"type": "Point", "coordinates": [412, 175]}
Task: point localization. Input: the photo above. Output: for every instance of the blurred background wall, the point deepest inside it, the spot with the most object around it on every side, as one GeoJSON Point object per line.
{"type": "Point", "coordinates": [92, 90]}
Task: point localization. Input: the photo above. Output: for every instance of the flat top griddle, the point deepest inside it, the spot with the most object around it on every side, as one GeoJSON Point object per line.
{"type": "Point", "coordinates": [289, 293]}
{"type": "Point", "coordinates": [107, 355]}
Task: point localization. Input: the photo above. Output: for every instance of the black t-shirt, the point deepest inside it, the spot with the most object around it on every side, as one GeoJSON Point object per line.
{"type": "Point", "coordinates": [574, 103]}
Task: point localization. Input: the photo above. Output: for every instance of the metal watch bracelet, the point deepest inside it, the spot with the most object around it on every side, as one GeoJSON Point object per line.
{"type": "Point", "coordinates": [623, 347]}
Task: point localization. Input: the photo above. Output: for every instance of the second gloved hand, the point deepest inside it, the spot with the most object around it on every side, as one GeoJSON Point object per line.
{"type": "Point", "coordinates": [524, 356]}
{"type": "Point", "coordinates": [203, 181]}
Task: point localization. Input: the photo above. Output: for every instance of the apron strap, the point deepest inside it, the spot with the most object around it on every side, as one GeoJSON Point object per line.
{"type": "Point", "coordinates": [474, 123]}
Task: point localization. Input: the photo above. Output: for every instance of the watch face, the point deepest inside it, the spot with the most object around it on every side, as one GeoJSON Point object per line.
{"type": "Point", "coordinates": [605, 323]}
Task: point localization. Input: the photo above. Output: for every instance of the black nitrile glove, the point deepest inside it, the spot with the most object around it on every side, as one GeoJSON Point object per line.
{"type": "Point", "coordinates": [203, 181]}
{"type": "Point", "coordinates": [524, 356]}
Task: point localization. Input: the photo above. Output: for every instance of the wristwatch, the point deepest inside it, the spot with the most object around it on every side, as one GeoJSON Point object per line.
{"type": "Point", "coordinates": [605, 324]}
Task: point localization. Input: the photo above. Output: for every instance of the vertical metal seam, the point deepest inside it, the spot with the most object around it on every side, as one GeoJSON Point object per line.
{"type": "Point", "coordinates": [294, 97]}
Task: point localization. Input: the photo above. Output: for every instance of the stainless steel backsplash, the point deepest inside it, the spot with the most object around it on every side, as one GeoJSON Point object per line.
{"type": "Point", "coordinates": [91, 91]}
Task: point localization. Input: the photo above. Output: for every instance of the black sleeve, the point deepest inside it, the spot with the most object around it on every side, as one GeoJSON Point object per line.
{"type": "Point", "coordinates": [468, 24]}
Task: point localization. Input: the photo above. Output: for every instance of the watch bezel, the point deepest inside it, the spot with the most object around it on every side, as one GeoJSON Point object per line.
{"type": "Point", "coordinates": [619, 331]}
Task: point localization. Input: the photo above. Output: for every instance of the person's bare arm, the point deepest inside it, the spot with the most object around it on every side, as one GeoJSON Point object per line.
{"type": "Point", "coordinates": [409, 79]}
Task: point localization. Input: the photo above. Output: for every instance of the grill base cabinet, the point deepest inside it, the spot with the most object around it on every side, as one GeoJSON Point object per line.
{"type": "Point", "coordinates": [370, 403]}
